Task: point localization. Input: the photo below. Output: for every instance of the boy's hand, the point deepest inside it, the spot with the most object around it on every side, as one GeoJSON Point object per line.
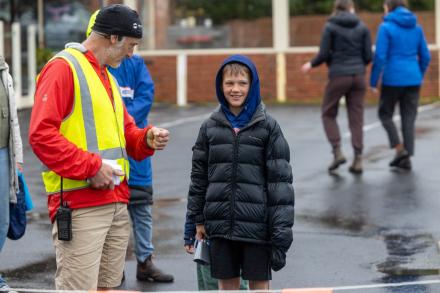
{"type": "Point", "coordinates": [157, 138]}
{"type": "Point", "coordinates": [200, 232]}
{"type": "Point", "coordinates": [189, 249]}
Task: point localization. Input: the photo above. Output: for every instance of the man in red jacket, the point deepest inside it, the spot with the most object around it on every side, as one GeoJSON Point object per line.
{"type": "Point", "coordinates": [82, 133]}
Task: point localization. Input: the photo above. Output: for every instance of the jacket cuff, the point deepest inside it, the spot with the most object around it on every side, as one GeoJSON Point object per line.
{"type": "Point", "coordinates": [199, 219]}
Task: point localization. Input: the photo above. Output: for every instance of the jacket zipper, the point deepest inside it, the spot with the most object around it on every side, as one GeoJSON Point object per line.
{"type": "Point", "coordinates": [234, 183]}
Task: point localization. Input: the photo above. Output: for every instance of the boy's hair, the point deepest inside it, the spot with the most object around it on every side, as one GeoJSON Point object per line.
{"type": "Point", "coordinates": [393, 4]}
{"type": "Point", "coordinates": [236, 68]}
{"type": "Point", "coordinates": [342, 5]}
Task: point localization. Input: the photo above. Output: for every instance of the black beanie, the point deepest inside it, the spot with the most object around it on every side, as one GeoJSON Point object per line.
{"type": "Point", "coordinates": [118, 20]}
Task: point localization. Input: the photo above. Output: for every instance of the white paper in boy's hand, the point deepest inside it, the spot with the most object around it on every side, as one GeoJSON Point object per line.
{"type": "Point", "coordinates": [115, 166]}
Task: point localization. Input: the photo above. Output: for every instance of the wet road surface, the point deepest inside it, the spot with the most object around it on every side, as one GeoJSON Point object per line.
{"type": "Point", "coordinates": [379, 227]}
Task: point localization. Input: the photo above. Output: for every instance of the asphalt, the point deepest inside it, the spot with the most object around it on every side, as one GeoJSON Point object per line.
{"type": "Point", "coordinates": [377, 228]}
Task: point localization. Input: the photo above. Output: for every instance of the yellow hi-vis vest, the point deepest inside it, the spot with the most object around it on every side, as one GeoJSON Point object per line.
{"type": "Point", "coordinates": [93, 125]}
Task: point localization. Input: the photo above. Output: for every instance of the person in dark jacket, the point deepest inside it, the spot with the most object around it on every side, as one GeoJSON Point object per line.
{"type": "Point", "coordinates": [401, 60]}
{"type": "Point", "coordinates": [346, 48]}
{"type": "Point", "coordinates": [241, 195]}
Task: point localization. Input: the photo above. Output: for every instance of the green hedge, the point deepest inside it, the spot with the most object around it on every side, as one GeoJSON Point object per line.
{"type": "Point", "coordinates": [223, 10]}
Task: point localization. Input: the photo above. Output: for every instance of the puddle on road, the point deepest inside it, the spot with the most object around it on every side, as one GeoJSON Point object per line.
{"type": "Point", "coordinates": [352, 225]}
{"type": "Point", "coordinates": [404, 254]}
{"type": "Point", "coordinates": [37, 275]}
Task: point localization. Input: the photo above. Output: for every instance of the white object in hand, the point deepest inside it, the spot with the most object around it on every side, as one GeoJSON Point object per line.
{"type": "Point", "coordinates": [114, 164]}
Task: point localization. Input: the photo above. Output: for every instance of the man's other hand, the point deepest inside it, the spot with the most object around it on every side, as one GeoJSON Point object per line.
{"type": "Point", "coordinates": [157, 138]}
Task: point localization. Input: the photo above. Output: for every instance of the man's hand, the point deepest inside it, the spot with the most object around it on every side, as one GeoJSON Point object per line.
{"type": "Point", "coordinates": [104, 178]}
{"type": "Point", "coordinates": [200, 232]}
{"type": "Point", "coordinates": [157, 138]}
{"type": "Point", "coordinates": [374, 90]}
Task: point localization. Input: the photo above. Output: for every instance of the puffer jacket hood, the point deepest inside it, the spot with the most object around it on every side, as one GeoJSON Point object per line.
{"type": "Point", "coordinates": [252, 100]}
{"type": "Point", "coordinates": [402, 17]}
{"type": "Point", "coordinates": [345, 19]}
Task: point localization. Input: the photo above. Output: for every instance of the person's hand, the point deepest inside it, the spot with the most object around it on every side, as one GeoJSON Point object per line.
{"type": "Point", "coordinates": [104, 178]}
{"type": "Point", "coordinates": [157, 138]}
{"type": "Point", "coordinates": [189, 249]}
{"type": "Point", "coordinates": [374, 90]}
{"type": "Point", "coordinates": [19, 167]}
{"type": "Point", "coordinates": [200, 232]}
{"type": "Point", "coordinates": [306, 67]}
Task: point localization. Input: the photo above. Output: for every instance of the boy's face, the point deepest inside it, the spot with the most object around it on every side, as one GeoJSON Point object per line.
{"type": "Point", "coordinates": [235, 88]}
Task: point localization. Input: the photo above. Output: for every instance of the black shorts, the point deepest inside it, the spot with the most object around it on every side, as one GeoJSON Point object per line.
{"type": "Point", "coordinates": [229, 258]}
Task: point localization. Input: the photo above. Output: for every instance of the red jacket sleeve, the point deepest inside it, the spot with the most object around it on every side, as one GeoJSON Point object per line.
{"type": "Point", "coordinates": [53, 102]}
{"type": "Point", "coordinates": [137, 147]}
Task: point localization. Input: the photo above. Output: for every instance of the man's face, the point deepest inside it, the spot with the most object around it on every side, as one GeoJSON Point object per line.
{"type": "Point", "coordinates": [235, 88]}
{"type": "Point", "coordinates": [118, 50]}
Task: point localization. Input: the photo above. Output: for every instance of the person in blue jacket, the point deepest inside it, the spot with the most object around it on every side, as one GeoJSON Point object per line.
{"type": "Point", "coordinates": [137, 91]}
{"type": "Point", "coordinates": [401, 60]}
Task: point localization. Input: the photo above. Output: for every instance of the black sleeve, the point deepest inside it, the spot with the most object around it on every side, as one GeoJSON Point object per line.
{"type": "Point", "coordinates": [199, 178]}
{"type": "Point", "coordinates": [281, 196]}
{"type": "Point", "coordinates": [367, 50]}
{"type": "Point", "coordinates": [324, 48]}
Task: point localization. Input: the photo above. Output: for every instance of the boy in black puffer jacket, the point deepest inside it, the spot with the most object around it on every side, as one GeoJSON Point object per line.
{"type": "Point", "coordinates": [241, 195]}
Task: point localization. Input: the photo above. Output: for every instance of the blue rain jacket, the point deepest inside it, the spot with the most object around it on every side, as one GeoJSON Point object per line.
{"type": "Point", "coordinates": [402, 55]}
{"type": "Point", "coordinates": [137, 91]}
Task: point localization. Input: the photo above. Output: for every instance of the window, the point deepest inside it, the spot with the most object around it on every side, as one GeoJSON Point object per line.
{"type": "Point", "coordinates": [192, 24]}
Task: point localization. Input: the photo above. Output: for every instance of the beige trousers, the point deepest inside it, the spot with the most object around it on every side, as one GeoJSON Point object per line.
{"type": "Point", "coordinates": [95, 256]}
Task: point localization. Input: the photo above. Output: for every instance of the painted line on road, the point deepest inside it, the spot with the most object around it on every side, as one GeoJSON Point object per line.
{"type": "Point", "coordinates": [396, 118]}
{"type": "Point", "coordinates": [183, 121]}
{"type": "Point", "coordinates": [292, 290]}
{"type": "Point", "coordinates": [387, 285]}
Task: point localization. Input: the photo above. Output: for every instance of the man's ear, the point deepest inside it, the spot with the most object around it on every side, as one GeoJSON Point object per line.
{"type": "Point", "coordinates": [113, 39]}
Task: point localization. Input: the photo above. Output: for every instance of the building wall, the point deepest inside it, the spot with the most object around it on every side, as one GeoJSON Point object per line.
{"type": "Point", "coordinates": [300, 88]}
{"type": "Point", "coordinates": [164, 74]}
{"type": "Point", "coordinates": [306, 30]}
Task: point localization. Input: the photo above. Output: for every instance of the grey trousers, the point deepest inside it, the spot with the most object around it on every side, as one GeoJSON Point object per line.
{"type": "Point", "coordinates": [408, 100]}
{"type": "Point", "coordinates": [353, 87]}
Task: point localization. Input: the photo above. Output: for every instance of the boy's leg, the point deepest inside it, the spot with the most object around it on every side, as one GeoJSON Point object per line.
{"type": "Point", "coordinates": [256, 265]}
{"type": "Point", "coordinates": [259, 285]}
{"type": "Point", "coordinates": [225, 263]}
{"type": "Point", "coordinates": [229, 284]}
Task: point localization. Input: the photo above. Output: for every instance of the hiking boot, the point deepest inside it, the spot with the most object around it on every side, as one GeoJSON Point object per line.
{"type": "Point", "coordinates": [147, 271]}
{"type": "Point", "coordinates": [356, 167]}
{"type": "Point", "coordinates": [338, 159]}
{"type": "Point", "coordinates": [401, 155]}
{"type": "Point", "coordinates": [405, 164]}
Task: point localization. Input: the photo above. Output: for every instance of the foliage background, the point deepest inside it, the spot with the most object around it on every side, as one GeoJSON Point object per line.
{"type": "Point", "coordinates": [223, 10]}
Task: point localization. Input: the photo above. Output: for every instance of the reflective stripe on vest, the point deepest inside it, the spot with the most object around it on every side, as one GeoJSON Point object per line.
{"type": "Point", "coordinates": [91, 125]}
